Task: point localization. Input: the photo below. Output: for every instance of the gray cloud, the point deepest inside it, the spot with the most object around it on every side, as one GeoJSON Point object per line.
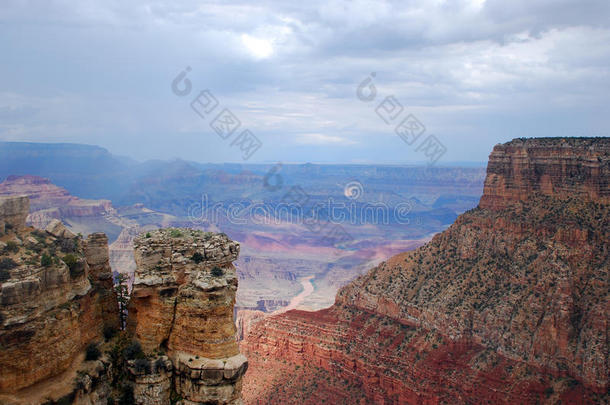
{"type": "Point", "coordinates": [475, 72]}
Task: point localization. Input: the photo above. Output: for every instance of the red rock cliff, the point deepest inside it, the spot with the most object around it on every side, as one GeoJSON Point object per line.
{"type": "Point", "coordinates": [510, 304]}
{"type": "Point", "coordinates": [559, 167]}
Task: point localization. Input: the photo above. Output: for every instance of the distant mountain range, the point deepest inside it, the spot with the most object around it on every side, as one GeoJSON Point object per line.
{"type": "Point", "coordinates": [172, 186]}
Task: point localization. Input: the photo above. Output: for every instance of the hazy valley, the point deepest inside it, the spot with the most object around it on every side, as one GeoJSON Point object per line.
{"type": "Point", "coordinates": [396, 209]}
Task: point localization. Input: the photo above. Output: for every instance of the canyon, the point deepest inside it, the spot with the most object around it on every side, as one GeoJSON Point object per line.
{"type": "Point", "coordinates": [124, 198]}
{"type": "Point", "coordinates": [508, 305]}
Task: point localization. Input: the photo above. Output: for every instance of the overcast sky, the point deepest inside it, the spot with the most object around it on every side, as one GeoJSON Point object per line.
{"type": "Point", "coordinates": [473, 72]}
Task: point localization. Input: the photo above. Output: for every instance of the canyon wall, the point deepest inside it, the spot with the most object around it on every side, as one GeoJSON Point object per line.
{"type": "Point", "coordinates": [558, 167]}
{"type": "Point", "coordinates": [49, 309]}
{"type": "Point", "coordinates": [510, 304]}
{"type": "Point", "coordinates": [48, 201]}
{"type": "Point", "coordinates": [181, 309]}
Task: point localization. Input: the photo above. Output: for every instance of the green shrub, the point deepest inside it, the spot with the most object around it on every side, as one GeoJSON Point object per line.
{"type": "Point", "coordinates": [197, 257]}
{"type": "Point", "coordinates": [45, 260]}
{"type": "Point", "coordinates": [4, 275]}
{"type": "Point", "coordinates": [12, 246]}
{"type": "Point", "coordinates": [109, 332]}
{"type": "Point", "coordinates": [6, 263]}
{"type": "Point", "coordinates": [175, 233]}
{"type": "Point", "coordinates": [133, 351]}
{"type": "Point", "coordinates": [92, 352]}
{"type": "Point", "coordinates": [174, 397]}
{"type": "Point", "coordinates": [37, 233]}
{"type": "Point", "coordinates": [73, 264]}
{"type": "Point", "coordinates": [217, 271]}
{"type": "Point", "coordinates": [68, 245]}
{"type": "Point", "coordinates": [142, 366]}
{"type": "Point", "coordinates": [148, 234]}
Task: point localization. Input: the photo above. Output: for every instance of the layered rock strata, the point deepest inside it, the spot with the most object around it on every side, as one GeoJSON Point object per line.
{"type": "Point", "coordinates": [182, 305]}
{"type": "Point", "coordinates": [49, 310]}
{"type": "Point", "coordinates": [509, 305]}
{"type": "Point", "coordinates": [49, 201]}
{"type": "Point", "coordinates": [13, 213]}
{"type": "Point", "coordinates": [523, 168]}
{"type": "Point", "coordinates": [153, 382]}
{"type": "Point", "coordinates": [98, 260]}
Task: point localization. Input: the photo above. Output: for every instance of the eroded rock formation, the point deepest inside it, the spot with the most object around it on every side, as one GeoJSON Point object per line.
{"type": "Point", "coordinates": [509, 305]}
{"type": "Point", "coordinates": [57, 298]}
{"type": "Point", "coordinates": [182, 305]}
{"type": "Point", "coordinates": [49, 310]}
{"type": "Point", "coordinates": [558, 167]}
{"type": "Point", "coordinates": [98, 260]}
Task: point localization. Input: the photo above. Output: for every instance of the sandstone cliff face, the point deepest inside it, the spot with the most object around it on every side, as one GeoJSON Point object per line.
{"type": "Point", "coordinates": [510, 304]}
{"type": "Point", "coordinates": [98, 260]}
{"type": "Point", "coordinates": [559, 167]}
{"type": "Point", "coordinates": [41, 191]}
{"type": "Point", "coordinates": [182, 304]}
{"type": "Point", "coordinates": [13, 212]}
{"type": "Point", "coordinates": [49, 310]}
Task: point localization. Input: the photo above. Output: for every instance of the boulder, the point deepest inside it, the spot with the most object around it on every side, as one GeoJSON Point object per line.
{"type": "Point", "coordinates": [59, 230]}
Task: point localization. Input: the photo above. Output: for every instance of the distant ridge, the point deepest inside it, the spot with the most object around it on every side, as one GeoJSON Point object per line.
{"type": "Point", "coordinates": [92, 172]}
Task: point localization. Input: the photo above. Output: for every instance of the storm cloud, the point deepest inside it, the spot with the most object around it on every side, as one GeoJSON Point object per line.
{"type": "Point", "coordinates": [475, 73]}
